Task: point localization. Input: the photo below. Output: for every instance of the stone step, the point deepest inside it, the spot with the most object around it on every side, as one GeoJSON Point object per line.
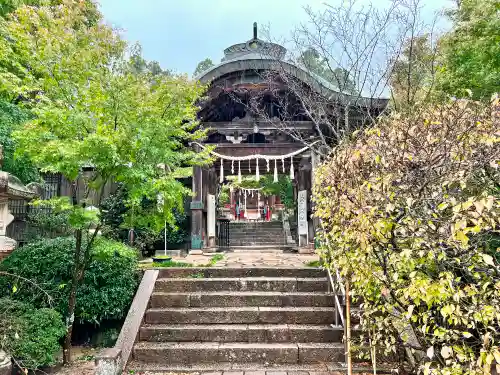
{"type": "Point", "coordinates": [242, 272]}
{"type": "Point", "coordinates": [229, 299]}
{"type": "Point", "coordinates": [255, 224]}
{"type": "Point", "coordinates": [257, 238]}
{"type": "Point", "coordinates": [241, 315]}
{"type": "Point", "coordinates": [240, 333]}
{"type": "Point", "coordinates": [265, 353]}
{"type": "Point", "coordinates": [236, 368]}
{"type": "Point", "coordinates": [265, 249]}
{"type": "Point", "coordinates": [272, 284]}
{"type": "Point", "coordinates": [246, 243]}
{"type": "Point", "coordinates": [256, 231]}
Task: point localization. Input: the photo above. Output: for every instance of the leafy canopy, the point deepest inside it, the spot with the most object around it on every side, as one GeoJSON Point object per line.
{"type": "Point", "coordinates": [315, 63]}
{"type": "Point", "coordinates": [202, 66]}
{"type": "Point", "coordinates": [92, 108]}
{"type": "Point", "coordinates": [471, 51]}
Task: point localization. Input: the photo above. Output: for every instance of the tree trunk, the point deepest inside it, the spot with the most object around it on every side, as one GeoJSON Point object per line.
{"type": "Point", "coordinates": [76, 277]}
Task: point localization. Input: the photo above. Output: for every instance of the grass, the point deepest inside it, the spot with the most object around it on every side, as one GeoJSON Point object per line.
{"type": "Point", "coordinates": [173, 264]}
{"type": "Point", "coordinates": [212, 262]}
{"type": "Point", "coordinates": [314, 263]}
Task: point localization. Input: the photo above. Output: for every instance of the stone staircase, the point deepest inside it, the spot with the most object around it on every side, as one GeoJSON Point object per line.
{"type": "Point", "coordinates": [261, 234]}
{"type": "Point", "coordinates": [238, 319]}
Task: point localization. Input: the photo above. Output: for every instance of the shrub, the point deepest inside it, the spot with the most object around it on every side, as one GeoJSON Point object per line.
{"type": "Point", "coordinates": [409, 209]}
{"type": "Point", "coordinates": [106, 291]}
{"type": "Point", "coordinates": [31, 336]}
{"type": "Point", "coordinates": [43, 223]}
{"type": "Point", "coordinates": [118, 219]}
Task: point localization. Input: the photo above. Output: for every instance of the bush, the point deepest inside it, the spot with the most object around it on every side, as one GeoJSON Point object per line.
{"type": "Point", "coordinates": [409, 210]}
{"type": "Point", "coordinates": [42, 224]}
{"type": "Point", "coordinates": [31, 336]}
{"type": "Point", "coordinates": [149, 236]}
{"type": "Point", "coordinates": [107, 288]}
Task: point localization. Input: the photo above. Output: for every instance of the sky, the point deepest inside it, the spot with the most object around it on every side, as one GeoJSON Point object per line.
{"type": "Point", "coordinates": [180, 33]}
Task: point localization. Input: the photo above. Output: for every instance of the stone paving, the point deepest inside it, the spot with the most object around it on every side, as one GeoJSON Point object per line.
{"type": "Point", "coordinates": [273, 372]}
{"type": "Point", "coordinates": [255, 258]}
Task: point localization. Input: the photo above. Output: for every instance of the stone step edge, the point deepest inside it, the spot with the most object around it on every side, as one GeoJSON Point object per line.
{"type": "Point", "coordinates": [241, 326]}
{"type": "Point", "coordinates": [251, 278]}
{"type": "Point", "coordinates": [232, 345]}
{"type": "Point", "coordinates": [224, 366]}
{"type": "Point", "coordinates": [244, 293]}
{"type": "Point", "coordinates": [217, 368]}
{"type": "Point", "coordinates": [244, 308]}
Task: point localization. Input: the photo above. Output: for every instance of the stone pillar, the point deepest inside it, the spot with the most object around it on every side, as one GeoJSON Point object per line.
{"type": "Point", "coordinates": [197, 209]}
{"type": "Point", "coordinates": [5, 364]}
{"type": "Point", "coordinates": [314, 222]}
{"type": "Point", "coordinates": [204, 189]}
{"type": "Point", "coordinates": [210, 205]}
{"type": "Point", "coordinates": [304, 184]}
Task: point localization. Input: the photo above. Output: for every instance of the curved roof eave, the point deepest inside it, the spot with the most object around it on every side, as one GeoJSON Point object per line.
{"type": "Point", "coordinates": [319, 84]}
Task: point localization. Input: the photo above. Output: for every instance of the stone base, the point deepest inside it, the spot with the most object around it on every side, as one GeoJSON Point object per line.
{"type": "Point", "coordinates": [306, 250]}
{"type": "Point", "coordinates": [174, 253]}
{"type": "Point", "coordinates": [5, 364]}
{"type": "Point", "coordinates": [209, 251]}
{"type": "Point", "coordinates": [196, 252]}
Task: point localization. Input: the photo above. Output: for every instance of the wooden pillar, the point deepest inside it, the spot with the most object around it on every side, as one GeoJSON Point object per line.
{"type": "Point", "coordinates": [197, 208]}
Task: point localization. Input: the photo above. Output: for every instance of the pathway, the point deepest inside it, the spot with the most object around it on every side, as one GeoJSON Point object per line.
{"type": "Point", "coordinates": [255, 259]}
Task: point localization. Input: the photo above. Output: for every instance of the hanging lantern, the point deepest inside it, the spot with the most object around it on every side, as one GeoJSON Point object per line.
{"type": "Point", "coordinates": [221, 176]}
{"type": "Point", "coordinates": [283, 164]}
{"type": "Point", "coordinates": [232, 167]}
{"type": "Point", "coordinates": [257, 175]}
{"type": "Point", "coordinates": [239, 171]}
{"type": "Point", "coordinates": [292, 174]}
{"type": "Point", "coordinates": [267, 164]}
{"type": "Point", "coordinates": [275, 171]}
{"type": "Point", "coordinates": [249, 166]}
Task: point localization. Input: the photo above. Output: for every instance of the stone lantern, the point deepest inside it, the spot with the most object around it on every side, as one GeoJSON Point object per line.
{"type": "Point", "coordinates": [10, 188]}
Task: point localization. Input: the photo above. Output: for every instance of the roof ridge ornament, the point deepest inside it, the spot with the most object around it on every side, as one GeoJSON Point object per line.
{"type": "Point", "coordinates": [255, 30]}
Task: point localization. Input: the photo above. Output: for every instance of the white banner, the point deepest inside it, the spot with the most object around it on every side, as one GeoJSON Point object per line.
{"type": "Point", "coordinates": [302, 212]}
{"type": "Point", "coordinates": [211, 215]}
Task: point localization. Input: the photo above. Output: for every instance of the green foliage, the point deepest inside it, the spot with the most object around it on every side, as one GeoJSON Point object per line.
{"type": "Point", "coordinates": [413, 73]}
{"type": "Point", "coordinates": [224, 197]}
{"type": "Point", "coordinates": [313, 263]}
{"type": "Point", "coordinates": [30, 335]}
{"type": "Point", "coordinates": [45, 224]}
{"type": "Point", "coordinates": [118, 219]}
{"type": "Point", "coordinates": [471, 51]}
{"type": "Point", "coordinates": [409, 209]}
{"type": "Point", "coordinates": [173, 264]}
{"type": "Point", "coordinates": [202, 66]}
{"type": "Point", "coordinates": [11, 117]}
{"type": "Point", "coordinates": [141, 66]}
{"type": "Point", "coordinates": [313, 62]}
{"type": "Point", "coordinates": [95, 108]}
{"type": "Point", "coordinates": [283, 188]}
{"type": "Point", "coordinates": [107, 288]}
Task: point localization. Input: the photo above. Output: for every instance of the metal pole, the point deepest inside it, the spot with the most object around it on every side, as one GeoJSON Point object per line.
{"type": "Point", "coordinates": [165, 235]}
{"type": "Point", "coordinates": [348, 328]}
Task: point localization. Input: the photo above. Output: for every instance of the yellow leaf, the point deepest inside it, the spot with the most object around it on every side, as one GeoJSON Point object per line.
{"type": "Point", "coordinates": [462, 237]}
